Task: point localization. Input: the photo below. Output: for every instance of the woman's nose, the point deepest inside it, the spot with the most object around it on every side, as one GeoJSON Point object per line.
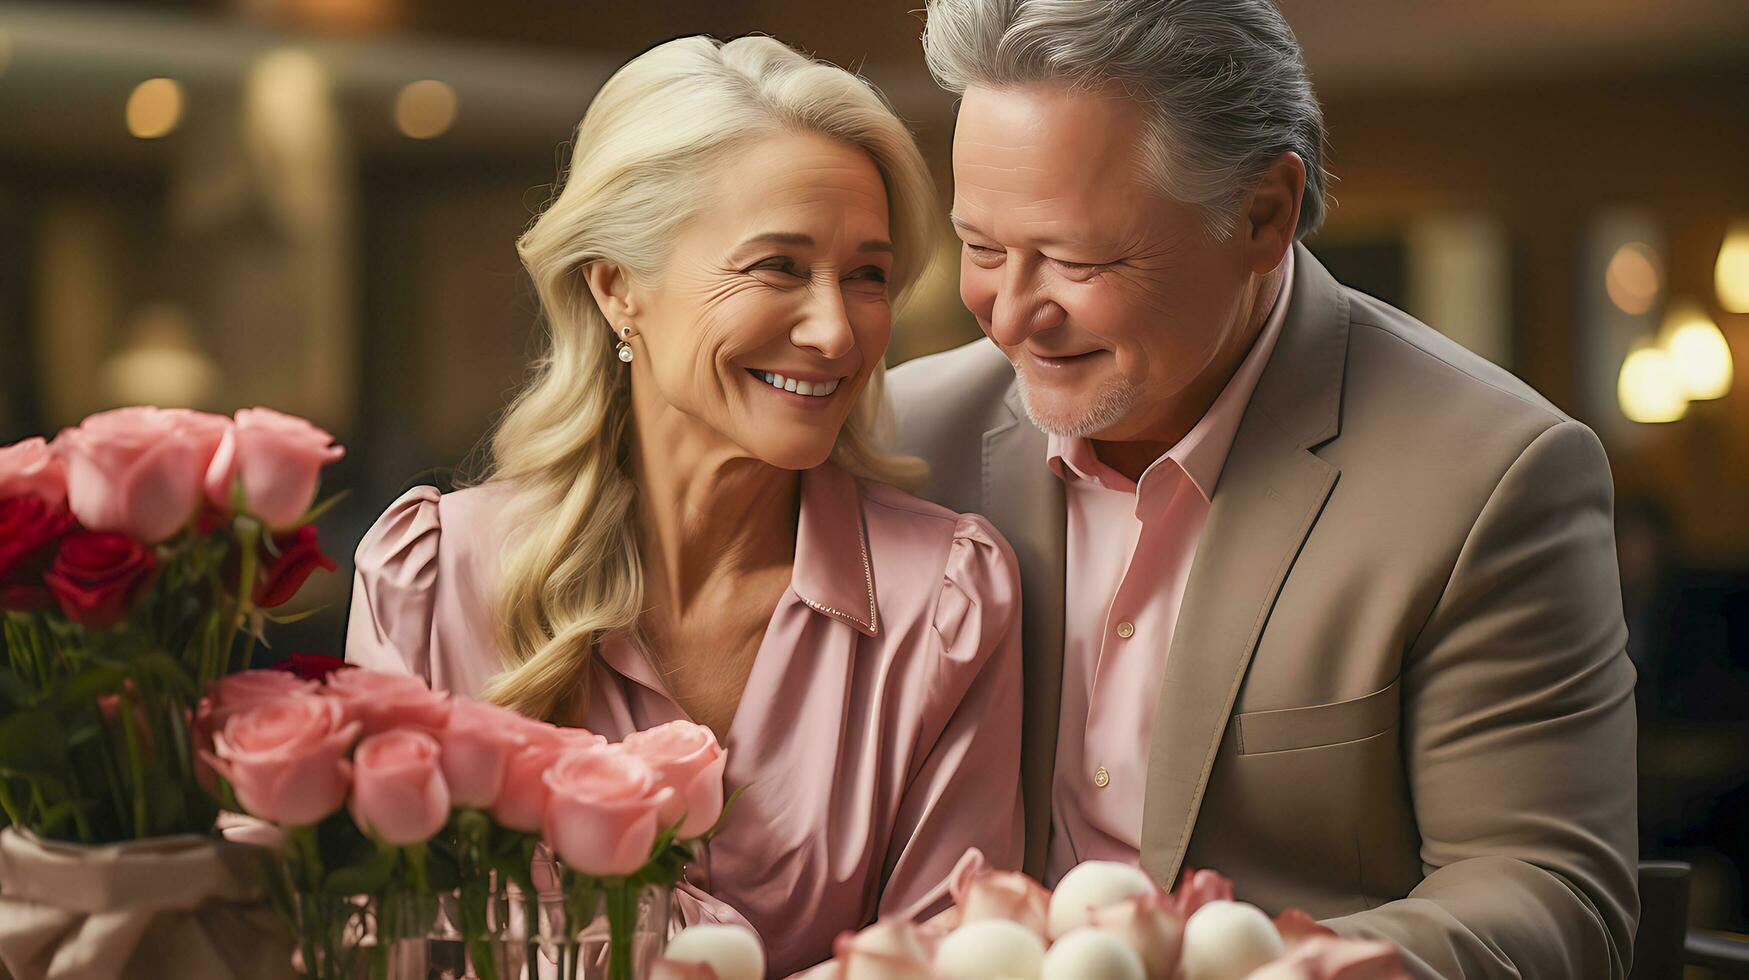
{"type": "Point", "coordinates": [825, 326]}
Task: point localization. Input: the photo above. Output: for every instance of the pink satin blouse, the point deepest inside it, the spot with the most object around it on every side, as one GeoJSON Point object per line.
{"type": "Point", "coordinates": [876, 739]}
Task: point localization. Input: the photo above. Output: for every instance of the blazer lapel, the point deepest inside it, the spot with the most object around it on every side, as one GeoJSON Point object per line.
{"type": "Point", "coordinates": [1266, 502]}
{"type": "Point", "coordinates": [1025, 500]}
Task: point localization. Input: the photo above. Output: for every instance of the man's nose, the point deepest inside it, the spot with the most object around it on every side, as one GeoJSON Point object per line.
{"type": "Point", "coordinates": [1021, 309]}
{"type": "Point", "coordinates": [825, 325]}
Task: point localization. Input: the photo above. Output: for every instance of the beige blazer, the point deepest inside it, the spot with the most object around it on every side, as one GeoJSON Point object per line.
{"type": "Point", "coordinates": [1398, 696]}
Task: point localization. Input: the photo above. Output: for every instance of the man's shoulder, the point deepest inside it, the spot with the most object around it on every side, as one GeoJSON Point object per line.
{"type": "Point", "coordinates": [975, 375]}
{"type": "Point", "coordinates": [1403, 373]}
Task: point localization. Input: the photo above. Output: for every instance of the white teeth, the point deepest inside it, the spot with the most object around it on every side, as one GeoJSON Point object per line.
{"type": "Point", "coordinates": [816, 389]}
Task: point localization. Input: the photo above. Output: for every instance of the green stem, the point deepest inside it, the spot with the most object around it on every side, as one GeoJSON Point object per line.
{"type": "Point", "coordinates": [11, 807]}
{"type": "Point", "coordinates": [622, 911]}
{"type": "Point", "coordinates": [136, 766]}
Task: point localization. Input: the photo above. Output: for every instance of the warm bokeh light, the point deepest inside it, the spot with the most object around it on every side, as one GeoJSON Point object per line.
{"type": "Point", "coordinates": [1632, 277]}
{"type": "Point", "coordinates": [1731, 274]}
{"type": "Point", "coordinates": [154, 108]}
{"type": "Point", "coordinates": [425, 109]}
{"type": "Point", "coordinates": [1649, 389]}
{"type": "Point", "coordinates": [1699, 352]}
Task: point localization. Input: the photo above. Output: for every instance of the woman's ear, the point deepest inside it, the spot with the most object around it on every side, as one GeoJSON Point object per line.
{"type": "Point", "coordinates": [612, 290]}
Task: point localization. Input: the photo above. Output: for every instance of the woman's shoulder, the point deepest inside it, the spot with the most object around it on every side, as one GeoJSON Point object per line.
{"type": "Point", "coordinates": [972, 572]}
{"type": "Point", "coordinates": [425, 521]}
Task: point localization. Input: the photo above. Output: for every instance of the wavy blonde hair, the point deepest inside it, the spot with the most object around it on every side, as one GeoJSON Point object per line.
{"type": "Point", "coordinates": [645, 157]}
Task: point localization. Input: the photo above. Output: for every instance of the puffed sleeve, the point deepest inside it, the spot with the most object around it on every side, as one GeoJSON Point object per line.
{"type": "Point", "coordinates": [394, 587]}
{"type": "Point", "coordinates": [966, 790]}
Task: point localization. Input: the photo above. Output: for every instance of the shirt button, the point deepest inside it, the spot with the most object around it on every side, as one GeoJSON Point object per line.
{"type": "Point", "coordinates": [1126, 630]}
{"type": "Point", "coordinates": [1101, 778]}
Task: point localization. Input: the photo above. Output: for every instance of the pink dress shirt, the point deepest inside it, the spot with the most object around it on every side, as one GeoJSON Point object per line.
{"type": "Point", "coordinates": [879, 732]}
{"type": "Point", "coordinates": [1130, 548]}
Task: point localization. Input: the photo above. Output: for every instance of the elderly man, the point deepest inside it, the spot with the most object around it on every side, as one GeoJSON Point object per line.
{"type": "Point", "coordinates": [1314, 596]}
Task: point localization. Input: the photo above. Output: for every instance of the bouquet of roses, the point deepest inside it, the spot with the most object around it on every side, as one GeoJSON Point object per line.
{"type": "Point", "coordinates": [388, 794]}
{"type": "Point", "coordinates": [141, 554]}
{"type": "Point", "coordinates": [1104, 921]}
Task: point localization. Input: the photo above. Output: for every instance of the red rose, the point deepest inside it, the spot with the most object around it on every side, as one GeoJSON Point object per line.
{"type": "Point", "coordinates": [281, 577]}
{"type": "Point", "coordinates": [311, 666]}
{"type": "Point", "coordinates": [29, 528]}
{"type": "Point", "coordinates": [97, 576]}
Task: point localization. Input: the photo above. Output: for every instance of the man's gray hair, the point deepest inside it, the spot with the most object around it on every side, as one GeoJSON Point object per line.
{"type": "Point", "coordinates": [1224, 80]}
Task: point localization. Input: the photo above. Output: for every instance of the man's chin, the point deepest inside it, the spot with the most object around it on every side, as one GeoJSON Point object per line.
{"type": "Point", "coordinates": [1073, 414]}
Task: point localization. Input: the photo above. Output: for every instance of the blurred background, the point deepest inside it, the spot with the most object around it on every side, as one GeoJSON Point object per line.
{"type": "Point", "coordinates": [312, 205]}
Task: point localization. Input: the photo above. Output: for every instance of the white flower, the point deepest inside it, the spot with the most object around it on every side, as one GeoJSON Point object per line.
{"type": "Point", "coordinates": [1089, 954]}
{"type": "Point", "coordinates": [733, 952]}
{"type": "Point", "coordinates": [1227, 940]}
{"type": "Point", "coordinates": [990, 949]}
{"type": "Point", "coordinates": [1091, 886]}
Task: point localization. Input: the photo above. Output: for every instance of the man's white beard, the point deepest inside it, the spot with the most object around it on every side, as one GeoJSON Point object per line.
{"type": "Point", "coordinates": [1113, 403]}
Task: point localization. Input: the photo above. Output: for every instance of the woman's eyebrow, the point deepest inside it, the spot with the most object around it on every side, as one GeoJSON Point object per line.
{"type": "Point", "coordinates": [807, 241]}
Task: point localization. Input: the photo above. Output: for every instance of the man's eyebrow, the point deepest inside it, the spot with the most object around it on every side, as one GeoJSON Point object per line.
{"type": "Point", "coordinates": [963, 225]}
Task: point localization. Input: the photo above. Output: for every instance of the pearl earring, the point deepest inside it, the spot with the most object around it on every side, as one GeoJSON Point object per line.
{"type": "Point", "coordinates": [625, 349]}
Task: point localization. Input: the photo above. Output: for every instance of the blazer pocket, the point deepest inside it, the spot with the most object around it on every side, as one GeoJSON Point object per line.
{"type": "Point", "coordinates": [1318, 724]}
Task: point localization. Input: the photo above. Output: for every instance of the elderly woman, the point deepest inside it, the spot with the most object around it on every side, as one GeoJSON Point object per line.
{"type": "Point", "coordinates": [688, 514]}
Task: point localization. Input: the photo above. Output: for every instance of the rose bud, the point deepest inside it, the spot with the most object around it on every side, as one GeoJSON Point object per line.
{"type": "Point", "coordinates": [137, 471]}
{"type": "Point", "coordinates": [1089, 954]}
{"type": "Point", "coordinates": [286, 759]}
{"type": "Point", "coordinates": [382, 701]}
{"type": "Point", "coordinates": [1226, 941]}
{"type": "Point", "coordinates": [97, 577]}
{"type": "Point", "coordinates": [279, 577]}
{"type": "Point", "coordinates": [276, 460]}
{"type": "Point", "coordinates": [688, 760]}
{"type": "Point", "coordinates": [398, 793]}
{"type": "Point", "coordinates": [245, 689]}
{"type": "Point", "coordinates": [602, 810]}
{"type": "Point", "coordinates": [731, 952]}
{"type": "Point", "coordinates": [989, 949]}
{"type": "Point", "coordinates": [29, 469]}
{"type": "Point", "coordinates": [1090, 886]}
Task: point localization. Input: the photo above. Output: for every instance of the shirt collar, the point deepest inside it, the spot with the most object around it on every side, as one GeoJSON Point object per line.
{"type": "Point", "coordinates": [833, 573]}
{"type": "Point", "coordinates": [1202, 453]}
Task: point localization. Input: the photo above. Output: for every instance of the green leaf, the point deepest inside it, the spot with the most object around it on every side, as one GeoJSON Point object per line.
{"type": "Point", "coordinates": [14, 692]}
{"type": "Point", "coordinates": [314, 513]}
{"type": "Point", "coordinates": [88, 684]}
{"type": "Point", "coordinates": [296, 617]}
{"type": "Point", "coordinates": [33, 743]}
{"type": "Point", "coordinates": [366, 877]}
{"type": "Point", "coordinates": [169, 670]}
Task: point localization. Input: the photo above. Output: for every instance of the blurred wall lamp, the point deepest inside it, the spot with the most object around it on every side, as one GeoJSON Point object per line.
{"type": "Point", "coordinates": [1690, 360]}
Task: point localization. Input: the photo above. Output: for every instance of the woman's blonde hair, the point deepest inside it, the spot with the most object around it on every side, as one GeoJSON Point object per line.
{"type": "Point", "coordinates": [645, 158]}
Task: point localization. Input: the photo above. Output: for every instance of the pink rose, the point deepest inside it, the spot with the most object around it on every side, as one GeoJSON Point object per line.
{"type": "Point", "coordinates": [231, 694]}
{"type": "Point", "coordinates": [383, 701]}
{"type": "Point", "coordinates": [601, 816]}
{"type": "Point", "coordinates": [522, 799]}
{"type": "Point", "coordinates": [286, 759]}
{"type": "Point", "coordinates": [137, 471]}
{"type": "Point", "coordinates": [891, 949]}
{"type": "Point", "coordinates": [688, 760]}
{"type": "Point", "coordinates": [1198, 888]}
{"type": "Point", "coordinates": [29, 468]}
{"type": "Point", "coordinates": [981, 892]}
{"type": "Point", "coordinates": [277, 459]}
{"type": "Point", "coordinates": [1146, 924]}
{"type": "Point", "coordinates": [398, 793]}
{"type": "Point", "coordinates": [478, 743]}
{"type": "Point", "coordinates": [1327, 958]}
